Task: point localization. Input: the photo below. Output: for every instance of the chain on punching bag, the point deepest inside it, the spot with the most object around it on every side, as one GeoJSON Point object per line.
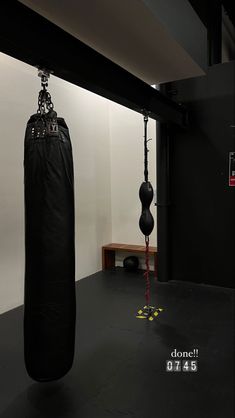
{"type": "Point", "coordinates": [50, 306]}
{"type": "Point", "coordinates": [146, 224]}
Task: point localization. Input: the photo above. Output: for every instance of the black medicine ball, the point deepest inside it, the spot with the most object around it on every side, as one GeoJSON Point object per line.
{"type": "Point", "coordinates": [131, 263]}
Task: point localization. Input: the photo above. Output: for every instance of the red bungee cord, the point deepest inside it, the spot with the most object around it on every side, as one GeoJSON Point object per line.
{"type": "Point", "coordinates": [146, 273]}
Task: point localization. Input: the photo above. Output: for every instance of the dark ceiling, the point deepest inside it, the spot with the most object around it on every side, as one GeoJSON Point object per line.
{"type": "Point", "coordinates": [203, 9]}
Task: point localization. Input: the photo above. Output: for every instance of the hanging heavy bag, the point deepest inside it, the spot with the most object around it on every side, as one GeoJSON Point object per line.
{"type": "Point", "coordinates": [50, 306]}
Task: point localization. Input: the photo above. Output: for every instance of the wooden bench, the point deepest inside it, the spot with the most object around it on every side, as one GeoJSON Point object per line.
{"type": "Point", "coordinates": [108, 254]}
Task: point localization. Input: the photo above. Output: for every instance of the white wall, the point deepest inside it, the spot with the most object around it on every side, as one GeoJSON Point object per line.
{"type": "Point", "coordinates": [87, 118]}
{"type": "Point", "coordinates": [127, 159]}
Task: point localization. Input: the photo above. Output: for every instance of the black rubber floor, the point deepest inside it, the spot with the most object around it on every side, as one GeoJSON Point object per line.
{"type": "Point", "coordinates": [120, 364]}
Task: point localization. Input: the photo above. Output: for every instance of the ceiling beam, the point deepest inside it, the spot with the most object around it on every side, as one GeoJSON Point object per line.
{"type": "Point", "coordinates": [29, 37]}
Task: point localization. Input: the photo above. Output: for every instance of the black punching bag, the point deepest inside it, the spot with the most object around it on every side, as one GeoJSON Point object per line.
{"type": "Point", "coordinates": [146, 222]}
{"type": "Point", "coordinates": [50, 306]}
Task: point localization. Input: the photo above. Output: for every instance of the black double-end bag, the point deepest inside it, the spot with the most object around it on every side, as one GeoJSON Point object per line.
{"type": "Point", "coordinates": [50, 306]}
